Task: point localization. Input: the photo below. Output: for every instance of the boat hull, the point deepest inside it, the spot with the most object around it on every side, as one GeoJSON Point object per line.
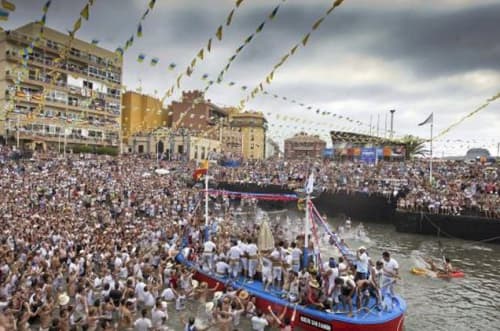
{"type": "Point", "coordinates": [307, 321]}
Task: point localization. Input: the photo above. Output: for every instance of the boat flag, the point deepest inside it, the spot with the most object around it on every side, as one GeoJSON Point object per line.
{"type": "Point", "coordinates": [428, 120]}
{"type": "Point", "coordinates": [201, 171]}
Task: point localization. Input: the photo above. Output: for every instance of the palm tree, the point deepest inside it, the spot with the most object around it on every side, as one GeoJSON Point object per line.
{"type": "Point", "coordinates": [414, 146]}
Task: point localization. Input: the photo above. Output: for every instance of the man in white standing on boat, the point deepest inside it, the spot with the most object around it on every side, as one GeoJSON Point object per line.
{"type": "Point", "coordinates": [390, 273]}
{"type": "Point", "coordinates": [208, 255]}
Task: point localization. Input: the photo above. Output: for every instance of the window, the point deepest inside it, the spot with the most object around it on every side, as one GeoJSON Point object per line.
{"type": "Point", "coordinates": [87, 84]}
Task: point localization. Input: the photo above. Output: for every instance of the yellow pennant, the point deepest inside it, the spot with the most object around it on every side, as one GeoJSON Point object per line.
{"type": "Point", "coordinates": [200, 54]}
{"type": "Point", "coordinates": [318, 23]}
{"type": "Point", "coordinates": [8, 5]}
{"type": "Point", "coordinates": [306, 38]}
{"type": "Point", "coordinates": [219, 33]}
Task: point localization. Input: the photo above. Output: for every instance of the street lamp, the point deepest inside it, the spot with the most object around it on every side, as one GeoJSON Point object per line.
{"type": "Point", "coordinates": [392, 122]}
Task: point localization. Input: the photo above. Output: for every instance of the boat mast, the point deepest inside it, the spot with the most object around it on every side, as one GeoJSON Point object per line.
{"type": "Point", "coordinates": [206, 197]}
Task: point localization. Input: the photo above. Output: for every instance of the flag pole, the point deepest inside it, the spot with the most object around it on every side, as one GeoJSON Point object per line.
{"type": "Point", "coordinates": [430, 161]}
{"type": "Point", "coordinates": [206, 196]}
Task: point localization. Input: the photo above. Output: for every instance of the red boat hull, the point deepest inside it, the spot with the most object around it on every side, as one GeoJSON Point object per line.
{"type": "Point", "coordinates": [309, 323]}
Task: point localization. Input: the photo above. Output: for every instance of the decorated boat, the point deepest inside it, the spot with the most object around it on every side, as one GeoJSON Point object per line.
{"type": "Point", "coordinates": [385, 316]}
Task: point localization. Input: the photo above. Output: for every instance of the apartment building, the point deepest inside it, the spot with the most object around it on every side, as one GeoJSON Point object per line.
{"type": "Point", "coordinates": [63, 89]}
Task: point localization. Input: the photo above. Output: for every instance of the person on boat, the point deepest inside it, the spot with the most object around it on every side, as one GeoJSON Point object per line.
{"type": "Point", "coordinates": [253, 261]}
{"type": "Point", "coordinates": [365, 288]}
{"type": "Point", "coordinates": [343, 293]}
{"type": "Point", "coordinates": [362, 260]}
{"type": "Point", "coordinates": [314, 295]}
{"type": "Point", "coordinates": [209, 249]}
{"type": "Point", "coordinates": [234, 255]}
{"type": "Point", "coordinates": [348, 224]}
{"type": "Point", "coordinates": [296, 254]}
{"type": "Point", "coordinates": [285, 323]}
{"type": "Point", "coordinates": [276, 257]}
{"type": "Point", "coordinates": [390, 273]}
{"type": "Point", "coordinates": [267, 270]}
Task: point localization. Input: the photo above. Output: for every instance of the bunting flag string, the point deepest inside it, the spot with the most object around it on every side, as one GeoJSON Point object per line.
{"type": "Point", "coordinates": [469, 115]}
{"type": "Point", "coordinates": [268, 79]}
{"type": "Point", "coordinates": [246, 41]}
{"type": "Point", "coordinates": [219, 34]}
{"type": "Point", "coordinates": [120, 50]}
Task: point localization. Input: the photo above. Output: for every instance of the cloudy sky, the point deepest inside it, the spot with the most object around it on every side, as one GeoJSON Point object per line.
{"type": "Point", "coordinates": [417, 57]}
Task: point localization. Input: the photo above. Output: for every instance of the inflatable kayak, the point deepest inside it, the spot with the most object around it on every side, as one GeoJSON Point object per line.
{"type": "Point", "coordinates": [422, 271]}
{"type": "Point", "coordinates": [454, 274]}
{"type": "Point", "coordinates": [418, 271]}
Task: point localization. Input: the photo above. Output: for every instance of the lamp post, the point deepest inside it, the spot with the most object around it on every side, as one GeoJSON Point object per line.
{"type": "Point", "coordinates": [392, 111]}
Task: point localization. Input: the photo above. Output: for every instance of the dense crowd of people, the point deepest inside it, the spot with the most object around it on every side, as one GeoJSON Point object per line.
{"type": "Point", "coordinates": [89, 243]}
{"type": "Point", "coordinates": [457, 188]}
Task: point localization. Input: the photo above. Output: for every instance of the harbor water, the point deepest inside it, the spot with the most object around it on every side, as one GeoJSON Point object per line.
{"type": "Point", "coordinates": [462, 304]}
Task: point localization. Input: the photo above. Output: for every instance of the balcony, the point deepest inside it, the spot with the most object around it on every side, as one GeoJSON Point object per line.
{"type": "Point", "coordinates": [70, 69]}
{"type": "Point", "coordinates": [56, 48]}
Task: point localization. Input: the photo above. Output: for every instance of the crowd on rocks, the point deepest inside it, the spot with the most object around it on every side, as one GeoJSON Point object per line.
{"type": "Point", "coordinates": [457, 188]}
{"type": "Point", "coordinates": [89, 243]}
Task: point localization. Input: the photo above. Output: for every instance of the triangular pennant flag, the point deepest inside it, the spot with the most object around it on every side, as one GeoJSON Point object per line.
{"type": "Point", "coordinates": [306, 38]}
{"type": "Point", "coordinates": [274, 12]}
{"type": "Point", "coordinates": [292, 51]}
{"type": "Point", "coordinates": [141, 57]}
{"type": "Point", "coordinates": [189, 71]}
{"type": "Point", "coordinates": [317, 24]}
{"type": "Point", "coordinates": [219, 33]}
{"type": "Point", "coordinates": [229, 18]}
{"type": "Point", "coordinates": [249, 39]}
{"type": "Point", "coordinates": [152, 4]}
{"type": "Point", "coordinates": [231, 59]}
{"type": "Point", "coordinates": [44, 19]}
{"type": "Point", "coordinates": [204, 77]}
{"type": "Point", "coordinates": [145, 14]}
{"type": "Point", "coordinates": [85, 12]}
{"type": "Point", "coordinates": [238, 2]}
{"type": "Point", "coordinates": [179, 81]}
{"type": "Point", "coordinates": [240, 48]}
{"type": "Point", "coordinates": [200, 54]}
{"type": "Point", "coordinates": [77, 25]}
{"type": "Point", "coordinates": [95, 41]}
{"type": "Point", "coordinates": [139, 30]}
{"type": "Point", "coordinates": [209, 45]}
{"type": "Point", "coordinates": [261, 26]}
{"type": "Point", "coordinates": [8, 5]}
{"type": "Point", "coordinates": [45, 8]}
{"type": "Point", "coordinates": [193, 63]}
{"type": "Point", "coordinates": [172, 66]}
{"type": "Point", "coordinates": [154, 61]}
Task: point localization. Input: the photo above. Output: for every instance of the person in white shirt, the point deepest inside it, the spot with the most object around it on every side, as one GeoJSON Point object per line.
{"type": "Point", "coordinates": [234, 255]}
{"type": "Point", "coordinates": [221, 268]}
{"type": "Point", "coordinates": [361, 264]}
{"type": "Point", "coordinates": [259, 322]}
{"type": "Point", "coordinates": [390, 273]}
{"type": "Point", "coordinates": [296, 254]}
{"type": "Point", "coordinates": [208, 255]}
{"type": "Point", "coordinates": [168, 294]}
{"type": "Point", "coordinates": [143, 323]}
{"type": "Point", "coordinates": [277, 258]}
{"type": "Point", "coordinates": [243, 246]}
{"type": "Point", "coordinates": [159, 314]}
{"type": "Point", "coordinates": [252, 259]}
